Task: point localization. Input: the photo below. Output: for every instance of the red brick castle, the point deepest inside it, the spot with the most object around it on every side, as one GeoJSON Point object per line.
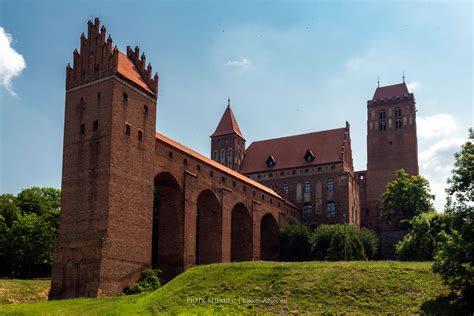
{"type": "Point", "coordinates": [133, 198]}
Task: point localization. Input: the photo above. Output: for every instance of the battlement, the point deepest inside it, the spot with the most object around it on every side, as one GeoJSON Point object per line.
{"type": "Point", "coordinates": [99, 58]}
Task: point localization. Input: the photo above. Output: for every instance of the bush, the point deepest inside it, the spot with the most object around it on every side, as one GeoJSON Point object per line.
{"type": "Point", "coordinates": [295, 242]}
{"type": "Point", "coordinates": [420, 243]}
{"type": "Point", "coordinates": [328, 243]}
{"type": "Point", "coordinates": [149, 281]}
{"type": "Point", "coordinates": [370, 241]}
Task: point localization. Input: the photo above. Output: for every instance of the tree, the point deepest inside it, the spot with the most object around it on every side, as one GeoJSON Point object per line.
{"type": "Point", "coordinates": [295, 242]}
{"type": "Point", "coordinates": [406, 196]}
{"type": "Point", "coordinates": [420, 244]}
{"type": "Point", "coordinates": [370, 241]}
{"type": "Point", "coordinates": [29, 223]}
{"type": "Point", "coordinates": [454, 260]}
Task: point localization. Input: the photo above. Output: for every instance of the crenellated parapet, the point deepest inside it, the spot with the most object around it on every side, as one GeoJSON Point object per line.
{"type": "Point", "coordinates": [145, 72]}
{"type": "Point", "coordinates": [98, 58]}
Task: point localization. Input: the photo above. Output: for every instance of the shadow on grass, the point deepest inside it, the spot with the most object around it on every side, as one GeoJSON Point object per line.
{"type": "Point", "coordinates": [447, 305]}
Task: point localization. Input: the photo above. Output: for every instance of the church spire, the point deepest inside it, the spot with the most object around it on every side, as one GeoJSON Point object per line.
{"type": "Point", "coordinates": [227, 124]}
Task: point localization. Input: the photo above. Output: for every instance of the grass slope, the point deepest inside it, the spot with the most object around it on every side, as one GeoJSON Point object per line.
{"type": "Point", "coordinates": [19, 291]}
{"type": "Point", "coordinates": [309, 287]}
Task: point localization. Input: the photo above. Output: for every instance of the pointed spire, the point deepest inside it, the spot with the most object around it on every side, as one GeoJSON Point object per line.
{"type": "Point", "coordinates": [228, 124]}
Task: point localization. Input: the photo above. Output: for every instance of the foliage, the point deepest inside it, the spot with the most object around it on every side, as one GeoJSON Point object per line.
{"type": "Point", "coordinates": [29, 223]}
{"type": "Point", "coordinates": [327, 243]}
{"type": "Point", "coordinates": [333, 288]}
{"type": "Point", "coordinates": [420, 243]}
{"type": "Point", "coordinates": [454, 260]}
{"type": "Point", "coordinates": [295, 242]}
{"type": "Point", "coordinates": [406, 197]}
{"type": "Point", "coordinates": [149, 281]}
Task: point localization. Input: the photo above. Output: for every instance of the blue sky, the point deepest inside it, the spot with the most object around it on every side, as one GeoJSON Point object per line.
{"type": "Point", "coordinates": [288, 67]}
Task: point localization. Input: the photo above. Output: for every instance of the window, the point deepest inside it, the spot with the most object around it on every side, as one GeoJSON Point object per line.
{"type": "Point", "coordinates": [307, 187]}
{"type": "Point", "coordinates": [353, 215]}
{"type": "Point", "coordinates": [330, 185]}
{"type": "Point", "coordinates": [218, 142]}
{"type": "Point", "coordinates": [127, 129]}
{"type": "Point", "coordinates": [82, 129]}
{"type": "Point", "coordinates": [309, 156]}
{"type": "Point", "coordinates": [222, 156]}
{"type": "Point", "coordinates": [229, 155]}
{"type": "Point", "coordinates": [285, 188]}
{"type": "Point", "coordinates": [98, 96]}
{"type": "Point", "coordinates": [382, 126]}
{"type": "Point", "coordinates": [398, 112]}
{"type": "Point", "coordinates": [145, 109]}
{"type": "Point", "coordinates": [382, 115]}
{"type": "Point", "coordinates": [307, 210]}
{"type": "Point", "coordinates": [82, 100]}
{"type": "Point", "coordinates": [226, 141]}
{"type": "Point", "coordinates": [398, 123]}
{"type": "Point", "coordinates": [330, 209]}
{"type": "Point", "coordinates": [125, 97]}
{"type": "Point", "coordinates": [95, 125]}
{"type": "Point", "coordinates": [214, 155]}
{"type": "Point", "coordinates": [140, 135]}
{"type": "Point", "coordinates": [271, 162]}
{"type": "Point", "coordinates": [367, 212]}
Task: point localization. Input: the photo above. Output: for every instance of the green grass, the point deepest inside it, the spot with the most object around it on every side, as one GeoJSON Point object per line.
{"type": "Point", "coordinates": [20, 291]}
{"type": "Point", "coordinates": [309, 287]}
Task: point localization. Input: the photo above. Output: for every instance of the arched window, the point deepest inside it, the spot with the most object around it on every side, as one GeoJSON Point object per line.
{"type": "Point", "coordinates": [222, 156]}
{"type": "Point", "coordinates": [367, 212]}
{"type": "Point", "coordinates": [214, 155]}
{"type": "Point", "coordinates": [307, 187]}
{"type": "Point", "coordinates": [330, 209]}
{"type": "Point", "coordinates": [330, 185]}
{"type": "Point", "coordinates": [229, 155]}
{"type": "Point", "coordinates": [307, 210]}
{"type": "Point", "coordinates": [353, 215]}
{"type": "Point", "coordinates": [285, 188]}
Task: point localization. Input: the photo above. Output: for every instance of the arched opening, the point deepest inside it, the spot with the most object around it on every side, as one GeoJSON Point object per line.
{"type": "Point", "coordinates": [269, 238]}
{"type": "Point", "coordinates": [70, 280]}
{"type": "Point", "coordinates": [208, 228]}
{"type": "Point", "coordinates": [241, 236]}
{"type": "Point", "coordinates": [82, 278]}
{"type": "Point", "coordinates": [168, 218]}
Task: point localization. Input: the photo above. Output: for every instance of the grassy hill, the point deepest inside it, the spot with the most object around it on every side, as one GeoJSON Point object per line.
{"type": "Point", "coordinates": [271, 287]}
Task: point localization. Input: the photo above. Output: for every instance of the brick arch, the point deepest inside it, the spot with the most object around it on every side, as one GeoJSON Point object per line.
{"type": "Point", "coordinates": [269, 238]}
{"type": "Point", "coordinates": [208, 228]}
{"type": "Point", "coordinates": [168, 229]}
{"type": "Point", "coordinates": [82, 279]}
{"type": "Point", "coordinates": [241, 234]}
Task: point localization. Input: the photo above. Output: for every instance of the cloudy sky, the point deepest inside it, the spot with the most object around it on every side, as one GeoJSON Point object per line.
{"type": "Point", "coordinates": [288, 68]}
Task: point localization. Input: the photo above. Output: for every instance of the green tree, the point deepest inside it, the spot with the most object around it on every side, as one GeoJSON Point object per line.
{"type": "Point", "coordinates": [421, 243]}
{"type": "Point", "coordinates": [454, 260]}
{"type": "Point", "coordinates": [370, 241]}
{"type": "Point", "coordinates": [406, 196]}
{"type": "Point", "coordinates": [295, 242]}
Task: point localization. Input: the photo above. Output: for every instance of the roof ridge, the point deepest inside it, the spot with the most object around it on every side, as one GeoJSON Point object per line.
{"type": "Point", "coordinates": [297, 135]}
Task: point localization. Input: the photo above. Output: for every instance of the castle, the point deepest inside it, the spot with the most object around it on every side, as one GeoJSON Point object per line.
{"type": "Point", "coordinates": [133, 198]}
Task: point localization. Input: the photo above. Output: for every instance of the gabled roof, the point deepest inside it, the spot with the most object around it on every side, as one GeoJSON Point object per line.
{"type": "Point", "coordinates": [127, 69]}
{"type": "Point", "coordinates": [289, 152]}
{"type": "Point", "coordinates": [216, 165]}
{"type": "Point", "coordinates": [395, 90]}
{"type": "Point", "coordinates": [227, 125]}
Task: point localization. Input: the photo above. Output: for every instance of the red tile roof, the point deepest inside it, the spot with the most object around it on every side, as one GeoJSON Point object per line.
{"type": "Point", "coordinates": [395, 90]}
{"type": "Point", "coordinates": [128, 70]}
{"type": "Point", "coordinates": [289, 151]}
{"type": "Point", "coordinates": [227, 125]}
{"type": "Point", "coordinates": [217, 165]}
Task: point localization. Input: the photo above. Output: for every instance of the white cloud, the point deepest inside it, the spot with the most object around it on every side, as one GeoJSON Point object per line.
{"type": "Point", "coordinates": [244, 63]}
{"type": "Point", "coordinates": [436, 126]}
{"type": "Point", "coordinates": [412, 86]}
{"type": "Point", "coordinates": [436, 163]}
{"type": "Point", "coordinates": [11, 62]}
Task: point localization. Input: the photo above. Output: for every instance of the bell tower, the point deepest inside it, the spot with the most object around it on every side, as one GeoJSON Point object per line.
{"type": "Point", "coordinates": [227, 141]}
{"type": "Point", "coordinates": [391, 141]}
{"type": "Point", "coordinates": [107, 176]}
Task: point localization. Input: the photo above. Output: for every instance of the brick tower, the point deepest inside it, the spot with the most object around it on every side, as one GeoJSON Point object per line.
{"type": "Point", "coordinates": [107, 179]}
{"type": "Point", "coordinates": [391, 144]}
{"type": "Point", "coordinates": [227, 142]}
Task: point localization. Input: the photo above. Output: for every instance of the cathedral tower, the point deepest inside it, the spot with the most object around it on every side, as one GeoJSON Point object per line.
{"type": "Point", "coordinates": [391, 142]}
{"type": "Point", "coordinates": [107, 178]}
{"type": "Point", "coordinates": [227, 142]}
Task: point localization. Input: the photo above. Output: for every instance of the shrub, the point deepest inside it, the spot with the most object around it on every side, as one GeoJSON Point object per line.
{"type": "Point", "coordinates": [149, 281]}
{"type": "Point", "coordinates": [370, 241]}
{"type": "Point", "coordinates": [295, 242]}
{"type": "Point", "coordinates": [421, 243]}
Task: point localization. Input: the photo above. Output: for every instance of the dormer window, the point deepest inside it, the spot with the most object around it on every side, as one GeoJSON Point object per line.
{"type": "Point", "coordinates": [271, 162]}
{"type": "Point", "coordinates": [309, 156]}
